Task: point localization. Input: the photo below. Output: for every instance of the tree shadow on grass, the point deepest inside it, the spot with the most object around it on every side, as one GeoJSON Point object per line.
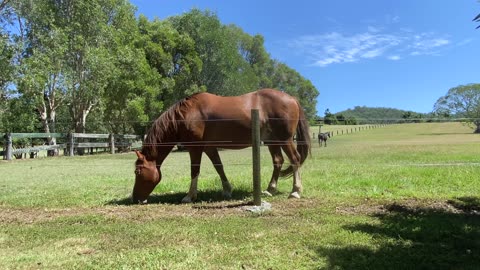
{"type": "Point", "coordinates": [409, 237]}
{"type": "Point", "coordinates": [176, 197]}
{"type": "Point", "coordinates": [445, 133]}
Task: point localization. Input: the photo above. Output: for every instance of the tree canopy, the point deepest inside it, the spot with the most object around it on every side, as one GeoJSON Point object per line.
{"type": "Point", "coordinates": [93, 66]}
{"type": "Point", "coordinates": [461, 101]}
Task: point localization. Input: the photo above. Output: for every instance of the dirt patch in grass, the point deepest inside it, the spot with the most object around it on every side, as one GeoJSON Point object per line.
{"type": "Point", "coordinates": [151, 212]}
{"type": "Point", "coordinates": [413, 206]}
{"type": "Point", "coordinates": [143, 213]}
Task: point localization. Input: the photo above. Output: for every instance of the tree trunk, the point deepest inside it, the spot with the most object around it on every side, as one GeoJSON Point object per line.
{"type": "Point", "coordinates": [80, 126]}
{"type": "Point", "coordinates": [52, 141]}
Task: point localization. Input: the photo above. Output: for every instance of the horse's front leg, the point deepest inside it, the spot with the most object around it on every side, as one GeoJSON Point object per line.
{"type": "Point", "coordinates": [212, 153]}
{"type": "Point", "coordinates": [195, 161]}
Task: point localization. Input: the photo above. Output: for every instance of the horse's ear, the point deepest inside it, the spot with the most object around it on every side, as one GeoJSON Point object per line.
{"type": "Point", "coordinates": [139, 155]}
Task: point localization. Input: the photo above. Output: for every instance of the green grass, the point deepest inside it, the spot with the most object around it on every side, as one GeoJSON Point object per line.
{"type": "Point", "coordinates": [397, 197]}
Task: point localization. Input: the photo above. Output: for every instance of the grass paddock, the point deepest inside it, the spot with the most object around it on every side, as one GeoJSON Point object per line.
{"type": "Point", "coordinates": [396, 197]}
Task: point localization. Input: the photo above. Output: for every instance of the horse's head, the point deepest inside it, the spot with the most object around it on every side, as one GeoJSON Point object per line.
{"type": "Point", "coordinates": [147, 176]}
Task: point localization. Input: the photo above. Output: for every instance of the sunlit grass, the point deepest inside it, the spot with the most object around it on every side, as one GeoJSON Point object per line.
{"type": "Point", "coordinates": [365, 205]}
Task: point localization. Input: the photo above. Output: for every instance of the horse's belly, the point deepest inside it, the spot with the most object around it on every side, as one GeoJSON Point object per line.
{"type": "Point", "coordinates": [227, 135]}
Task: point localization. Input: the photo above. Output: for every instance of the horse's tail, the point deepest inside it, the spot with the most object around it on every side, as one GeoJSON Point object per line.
{"type": "Point", "coordinates": [304, 147]}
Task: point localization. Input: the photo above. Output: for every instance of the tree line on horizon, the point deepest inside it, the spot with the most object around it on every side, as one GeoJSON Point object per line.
{"type": "Point", "coordinates": [361, 115]}
{"type": "Point", "coordinates": [93, 66]}
{"type": "Point", "coordinates": [459, 104]}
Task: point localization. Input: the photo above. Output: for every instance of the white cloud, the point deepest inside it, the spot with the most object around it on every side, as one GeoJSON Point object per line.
{"type": "Point", "coordinates": [335, 47]}
{"type": "Point", "coordinates": [465, 42]}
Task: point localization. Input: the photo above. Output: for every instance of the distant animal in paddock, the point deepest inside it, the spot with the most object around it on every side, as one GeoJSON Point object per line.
{"type": "Point", "coordinates": [322, 137]}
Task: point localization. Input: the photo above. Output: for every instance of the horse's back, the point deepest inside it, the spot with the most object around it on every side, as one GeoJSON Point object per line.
{"type": "Point", "coordinates": [270, 103]}
{"type": "Point", "coordinates": [229, 118]}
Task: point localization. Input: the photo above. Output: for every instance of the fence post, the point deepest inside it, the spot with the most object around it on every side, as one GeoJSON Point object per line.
{"type": "Point", "coordinates": [71, 144]}
{"type": "Point", "coordinates": [8, 146]}
{"type": "Point", "coordinates": [112, 144]}
{"type": "Point", "coordinates": [256, 158]}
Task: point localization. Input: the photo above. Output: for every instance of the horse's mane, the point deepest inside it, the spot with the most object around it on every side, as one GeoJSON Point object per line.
{"type": "Point", "coordinates": [164, 130]}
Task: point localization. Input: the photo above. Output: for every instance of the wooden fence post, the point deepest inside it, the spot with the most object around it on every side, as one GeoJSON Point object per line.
{"type": "Point", "coordinates": [112, 144]}
{"type": "Point", "coordinates": [256, 158]}
{"type": "Point", "coordinates": [71, 144]}
{"type": "Point", "coordinates": [8, 146]}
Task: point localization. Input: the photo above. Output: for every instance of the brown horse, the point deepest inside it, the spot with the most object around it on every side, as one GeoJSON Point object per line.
{"type": "Point", "coordinates": [203, 122]}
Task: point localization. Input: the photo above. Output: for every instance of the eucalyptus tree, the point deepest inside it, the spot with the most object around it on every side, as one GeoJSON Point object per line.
{"type": "Point", "coordinates": [6, 58]}
{"type": "Point", "coordinates": [38, 63]}
{"type": "Point", "coordinates": [173, 56]}
{"type": "Point", "coordinates": [6, 48]}
{"type": "Point", "coordinates": [253, 51]}
{"type": "Point", "coordinates": [462, 101]}
{"type": "Point", "coordinates": [91, 28]}
{"type": "Point", "coordinates": [290, 81]}
{"type": "Point", "coordinates": [130, 80]}
{"type": "Point", "coordinates": [235, 62]}
{"type": "Point", "coordinates": [42, 71]}
{"type": "Point", "coordinates": [223, 71]}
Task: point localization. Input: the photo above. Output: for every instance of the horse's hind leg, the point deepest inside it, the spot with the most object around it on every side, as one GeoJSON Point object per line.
{"type": "Point", "coordinates": [212, 153]}
{"type": "Point", "coordinates": [294, 158]}
{"type": "Point", "coordinates": [277, 158]}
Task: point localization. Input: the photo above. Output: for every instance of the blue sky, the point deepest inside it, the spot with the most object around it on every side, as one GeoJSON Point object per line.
{"type": "Point", "coordinates": [377, 53]}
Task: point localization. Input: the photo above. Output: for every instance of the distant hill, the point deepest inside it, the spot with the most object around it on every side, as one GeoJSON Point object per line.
{"type": "Point", "coordinates": [365, 114]}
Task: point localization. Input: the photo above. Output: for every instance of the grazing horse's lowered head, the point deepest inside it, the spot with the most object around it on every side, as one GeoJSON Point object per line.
{"type": "Point", "coordinates": [147, 176]}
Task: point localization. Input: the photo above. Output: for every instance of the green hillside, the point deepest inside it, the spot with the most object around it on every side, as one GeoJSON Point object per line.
{"type": "Point", "coordinates": [364, 114]}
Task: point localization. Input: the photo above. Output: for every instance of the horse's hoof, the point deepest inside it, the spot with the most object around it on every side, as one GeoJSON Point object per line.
{"type": "Point", "coordinates": [266, 193]}
{"type": "Point", "coordinates": [187, 199]}
{"type": "Point", "coordinates": [227, 195]}
{"type": "Point", "coordinates": [294, 195]}
{"type": "Point", "coordinates": [142, 202]}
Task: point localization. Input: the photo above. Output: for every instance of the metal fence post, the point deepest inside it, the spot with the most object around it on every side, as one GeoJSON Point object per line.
{"type": "Point", "coordinates": [256, 158]}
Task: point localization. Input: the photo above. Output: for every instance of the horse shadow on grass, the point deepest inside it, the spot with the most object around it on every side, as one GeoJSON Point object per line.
{"type": "Point", "coordinates": [176, 197]}
{"type": "Point", "coordinates": [407, 237]}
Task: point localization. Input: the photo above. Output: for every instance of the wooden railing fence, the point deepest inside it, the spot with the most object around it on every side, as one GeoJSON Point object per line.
{"type": "Point", "coordinates": [72, 142]}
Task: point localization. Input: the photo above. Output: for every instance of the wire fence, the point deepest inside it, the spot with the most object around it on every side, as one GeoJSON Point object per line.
{"type": "Point", "coordinates": [36, 145]}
